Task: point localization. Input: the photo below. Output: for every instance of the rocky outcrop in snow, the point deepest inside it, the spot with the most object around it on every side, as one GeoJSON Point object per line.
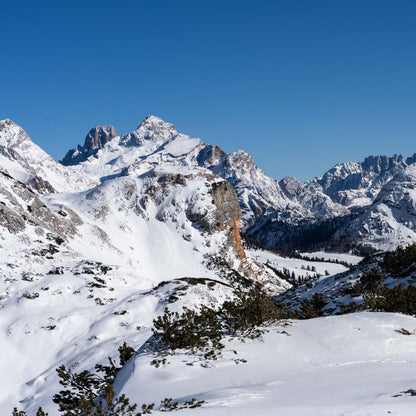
{"type": "Point", "coordinates": [96, 139]}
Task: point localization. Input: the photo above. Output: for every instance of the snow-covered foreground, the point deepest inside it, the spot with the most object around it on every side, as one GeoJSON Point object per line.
{"type": "Point", "coordinates": [343, 365]}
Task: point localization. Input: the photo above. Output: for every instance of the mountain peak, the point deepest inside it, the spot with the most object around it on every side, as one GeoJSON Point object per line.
{"type": "Point", "coordinates": [152, 119]}
{"type": "Point", "coordinates": [96, 139]}
{"type": "Point", "coordinates": [153, 129]}
{"type": "Point", "coordinates": [382, 163]}
{"type": "Point", "coordinates": [99, 136]}
{"type": "Point", "coordinates": [155, 123]}
{"type": "Point", "coordinates": [11, 134]}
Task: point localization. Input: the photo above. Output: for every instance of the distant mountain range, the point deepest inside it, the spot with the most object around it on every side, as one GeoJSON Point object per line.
{"type": "Point", "coordinates": [368, 203]}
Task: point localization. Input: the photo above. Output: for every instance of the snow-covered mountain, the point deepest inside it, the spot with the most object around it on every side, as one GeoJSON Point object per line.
{"type": "Point", "coordinates": [28, 163]}
{"type": "Point", "coordinates": [344, 204]}
{"type": "Point", "coordinates": [96, 139]}
{"type": "Point", "coordinates": [81, 243]}
{"type": "Point", "coordinates": [273, 212]}
{"type": "Point", "coordinates": [390, 220]}
{"type": "Point", "coordinates": [95, 247]}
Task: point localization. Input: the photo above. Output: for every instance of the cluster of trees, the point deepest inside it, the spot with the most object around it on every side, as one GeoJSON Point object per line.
{"type": "Point", "coordinates": [202, 330]}
{"type": "Point", "coordinates": [379, 297]}
{"type": "Point", "coordinates": [400, 262]}
{"type": "Point", "coordinates": [322, 259]}
{"type": "Point", "coordinates": [296, 280]}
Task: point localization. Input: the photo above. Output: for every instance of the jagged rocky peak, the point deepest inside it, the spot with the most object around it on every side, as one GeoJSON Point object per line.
{"type": "Point", "coordinates": [96, 139]}
{"type": "Point", "coordinates": [99, 136]}
{"type": "Point", "coordinates": [242, 159]}
{"type": "Point", "coordinates": [290, 186]}
{"type": "Point", "coordinates": [412, 159]}
{"type": "Point", "coordinates": [381, 163]}
{"type": "Point", "coordinates": [210, 155]}
{"type": "Point", "coordinates": [152, 129]}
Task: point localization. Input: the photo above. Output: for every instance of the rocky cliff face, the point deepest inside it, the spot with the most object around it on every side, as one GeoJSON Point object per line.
{"type": "Point", "coordinates": [256, 192]}
{"type": "Point", "coordinates": [228, 213]}
{"type": "Point", "coordinates": [96, 139]}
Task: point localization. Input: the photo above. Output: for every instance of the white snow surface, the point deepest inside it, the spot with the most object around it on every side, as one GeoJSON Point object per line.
{"type": "Point", "coordinates": [301, 268]}
{"type": "Point", "coordinates": [332, 256]}
{"type": "Point", "coordinates": [333, 366]}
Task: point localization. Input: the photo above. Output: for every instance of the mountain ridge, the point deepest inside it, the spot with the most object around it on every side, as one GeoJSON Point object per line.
{"type": "Point", "coordinates": [340, 192]}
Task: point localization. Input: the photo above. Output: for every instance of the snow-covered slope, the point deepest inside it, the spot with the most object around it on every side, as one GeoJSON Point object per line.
{"type": "Point", "coordinates": [28, 163]}
{"type": "Point", "coordinates": [356, 364]}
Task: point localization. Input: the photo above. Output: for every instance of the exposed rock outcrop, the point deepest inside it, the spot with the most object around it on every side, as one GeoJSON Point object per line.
{"type": "Point", "coordinates": [228, 213]}
{"type": "Point", "coordinates": [96, 139]}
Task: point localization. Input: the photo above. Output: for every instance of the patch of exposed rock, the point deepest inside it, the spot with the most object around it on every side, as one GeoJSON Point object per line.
{"type": "Point", "coordinates": [96, 139]}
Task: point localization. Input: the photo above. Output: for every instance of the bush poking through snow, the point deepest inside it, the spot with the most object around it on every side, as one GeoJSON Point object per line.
{"type": "Point", "coordinates": [202, 330]}
{"type": "Point", "coordinates": [249, 311]}
{"type": "Point", "coordinates": [167, 405]}
{"type": "Point", "coordinates": [81, 389]}
{"type": "Point", "coordinates": [192, 330]}
{"type": "Point", "coordinates": [111, 371]}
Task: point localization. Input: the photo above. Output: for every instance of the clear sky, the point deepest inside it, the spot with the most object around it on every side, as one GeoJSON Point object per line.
{"type": "Point", "coordinates": [299, 84]}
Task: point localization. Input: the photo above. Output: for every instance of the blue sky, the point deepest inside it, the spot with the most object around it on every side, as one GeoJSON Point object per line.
{"type": "Point", "coordinates": [299, 84]}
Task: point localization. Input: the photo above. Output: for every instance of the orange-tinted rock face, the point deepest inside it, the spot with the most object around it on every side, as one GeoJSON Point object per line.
{"type": "Point", "coordinates": [235, 238]}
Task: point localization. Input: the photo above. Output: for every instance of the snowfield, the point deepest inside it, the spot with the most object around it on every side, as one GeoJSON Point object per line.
{"type": "Point", "coordinates": [333, 366]}
{"type": "Point", "coordinates": [329, 256]}
{"type": "Point", "coordinates": [298, 266]}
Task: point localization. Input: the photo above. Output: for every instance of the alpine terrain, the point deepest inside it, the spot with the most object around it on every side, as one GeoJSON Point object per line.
{"type": "Point", "coordinates": [151, 265]}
